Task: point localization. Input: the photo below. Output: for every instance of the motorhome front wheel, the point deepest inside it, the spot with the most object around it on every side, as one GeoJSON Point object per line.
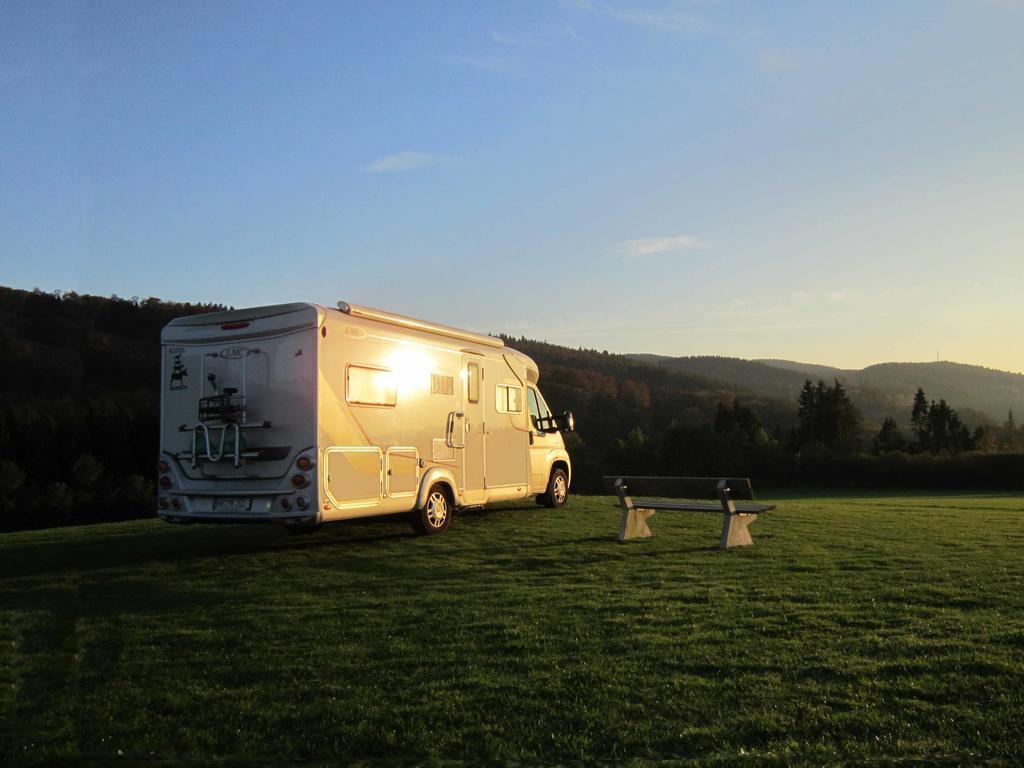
{"type": "Point", "coordinates": [558, 489]}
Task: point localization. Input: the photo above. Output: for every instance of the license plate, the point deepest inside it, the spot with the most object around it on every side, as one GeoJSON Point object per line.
{"type": "Point", "coordinates": [232, 504]}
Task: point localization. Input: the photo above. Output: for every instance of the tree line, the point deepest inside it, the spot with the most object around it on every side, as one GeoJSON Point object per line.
{"type": "Point", "coordinates": [690, 426]}
{"type": "Point", "coordinates": [79, 419]}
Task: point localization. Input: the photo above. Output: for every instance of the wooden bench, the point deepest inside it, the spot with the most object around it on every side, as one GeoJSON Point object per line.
{"type": "Point", "coordinates": [736, 516]}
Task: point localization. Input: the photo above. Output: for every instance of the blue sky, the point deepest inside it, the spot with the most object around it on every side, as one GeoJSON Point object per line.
{"type": "Point", "coordinates": [834, 182]}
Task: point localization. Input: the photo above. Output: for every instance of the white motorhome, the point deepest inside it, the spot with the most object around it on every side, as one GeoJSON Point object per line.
{"type": "Point", "coordinates": [303, 414]}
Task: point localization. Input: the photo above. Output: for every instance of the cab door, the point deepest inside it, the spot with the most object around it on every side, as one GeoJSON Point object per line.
{"type": "Point", "coordinates": [541, 443]}
{"type": "Point", "coordinates": [507, 471]}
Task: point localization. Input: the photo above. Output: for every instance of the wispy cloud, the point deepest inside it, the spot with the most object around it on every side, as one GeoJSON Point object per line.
{"type": "Point", "coordinates": [670, 20]}
{"type": "Point", "coordinates": [518, 53]}
{"type": "Point", "coordinates": [555, 49]}
{"type": "Point", "coordinates": [543, 38]}
{"type": "Point", "coordinates": [677, 17]}
{"type": "Point", "coordinates": [799, 309]}
{"type": "Point", "coordinates": [578, 5]}
{"type": "Point", "coordinates": [501, 65]}
{"type": "Point", "coordinates": [653, 246]}
{"type": "Point", "coordinates": [775, 60]}
{"type": "Point", "coordinates": [403, 161]}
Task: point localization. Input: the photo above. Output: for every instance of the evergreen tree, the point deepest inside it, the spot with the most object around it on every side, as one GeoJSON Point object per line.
{"type": "Point", "coordinates": [919, 420]}
{"type": "Point", "coordinates": [984, 440]}
{"type": "Point", "coordinates": [1012, 441]}
{"type": "Point", "coordinates": [889, 438]}
{"type": "Point", "coordinates": [738, 418]}
{"type": "Point", "coordinates": [945, 432]}
{"type": "Point", "coordinates": [807, 402]}
{"type": "Point", "coordinates": [827, 415]}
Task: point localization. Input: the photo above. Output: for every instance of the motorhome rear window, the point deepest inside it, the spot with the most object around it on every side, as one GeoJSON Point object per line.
{"type": "Point", "coordinates": [508, 399]}
{"type": "Point", "coordinates": [370, 386]}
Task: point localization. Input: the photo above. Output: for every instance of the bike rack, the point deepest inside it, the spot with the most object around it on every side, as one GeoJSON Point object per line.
{"type": "Point", "coordinates": [224, 411]}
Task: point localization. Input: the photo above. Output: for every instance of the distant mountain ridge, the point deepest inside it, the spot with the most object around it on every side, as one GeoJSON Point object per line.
{"type": "Point", "coordinates": [884, 389]}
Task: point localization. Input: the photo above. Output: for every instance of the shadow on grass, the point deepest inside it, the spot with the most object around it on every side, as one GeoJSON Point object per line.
{"type": "Point", "coordinates": [199, 541]}
{"type": "Point", "coordinates": [181, 543]}
{"type": "Point", "coordinates": [158, 544]}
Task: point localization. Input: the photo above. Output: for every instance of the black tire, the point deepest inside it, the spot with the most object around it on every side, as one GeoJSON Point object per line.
{"type": "Point", "coordinates": [436, 514]}
{"type": "Point", "coordinates": [558, 490]}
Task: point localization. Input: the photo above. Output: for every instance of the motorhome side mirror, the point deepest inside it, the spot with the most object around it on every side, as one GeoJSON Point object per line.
{"type": "Point", "coordinates": [568, 422]}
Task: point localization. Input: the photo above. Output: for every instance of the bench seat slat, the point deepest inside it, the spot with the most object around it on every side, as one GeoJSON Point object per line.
{"type": "Point", "coordinates": [698, 506]}
{"type": "Point", "coordinates": [682, 487]}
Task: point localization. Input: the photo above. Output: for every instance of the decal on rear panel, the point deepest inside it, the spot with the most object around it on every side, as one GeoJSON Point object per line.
{"type": "Point", "coordinates": [178, 373]}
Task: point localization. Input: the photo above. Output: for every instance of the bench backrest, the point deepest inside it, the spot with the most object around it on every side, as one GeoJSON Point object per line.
{"type": "Point", "coordinates": [682, 487]}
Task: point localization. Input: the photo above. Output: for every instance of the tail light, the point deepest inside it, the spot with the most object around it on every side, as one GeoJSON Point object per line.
{"type": "Point", "coordinates": [176, 502]}
{"type": "Point", "coordinates": [299, 481]}
{"type": "Point", "coordinates": [161, 502]}
{"type": "Point", "coordinates": [301, 502]}
{"type": "Point", "coordinates": [285, 504]}
{"type": "Point", "coordinates": [163, 466]}
{"type": "Point", "coordinates": [304, 463]}
{"type": "Point", "coordinates": [165, 482]}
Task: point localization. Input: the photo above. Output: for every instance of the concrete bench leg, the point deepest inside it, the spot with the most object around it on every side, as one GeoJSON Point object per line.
{"type": "Point", "coordinates": [734, 530]}
{"type": "Point", "coordinates": [634, 524]}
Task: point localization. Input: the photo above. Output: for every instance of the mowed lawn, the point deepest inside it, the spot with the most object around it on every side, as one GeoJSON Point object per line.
{"type": "Point", "coordinates": [856, 627]}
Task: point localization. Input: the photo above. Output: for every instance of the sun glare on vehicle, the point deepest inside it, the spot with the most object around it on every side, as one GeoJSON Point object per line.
{"type": "Point", "coordinates": [410, 368]}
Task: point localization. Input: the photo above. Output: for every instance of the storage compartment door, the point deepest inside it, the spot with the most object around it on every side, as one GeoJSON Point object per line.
{"type": "Point", "coordinates": [403, 472]}
{"type": "Point", "coordinates": [354, 476]}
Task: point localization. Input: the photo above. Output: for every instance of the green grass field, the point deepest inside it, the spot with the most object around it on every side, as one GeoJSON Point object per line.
{"type": "Point", "coordinates": [857, 627]}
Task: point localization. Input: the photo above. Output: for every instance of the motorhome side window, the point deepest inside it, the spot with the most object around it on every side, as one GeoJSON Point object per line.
{"type": "Point", "coordinates": [473, 382]}
{"type": "Point", "coordinates": [531, 403]}
{"type": "Point", "coordinates": [508, 399]}
{"type": "Point", "coordinates": [370, 386]}
{"type": "Point", "coordinates": [538, 408]}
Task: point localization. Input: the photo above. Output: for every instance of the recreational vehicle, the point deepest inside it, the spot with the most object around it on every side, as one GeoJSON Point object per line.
{"type": "Point", "coordinates": [303, 414]}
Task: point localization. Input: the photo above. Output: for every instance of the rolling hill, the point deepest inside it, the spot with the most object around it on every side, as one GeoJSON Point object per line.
{"type": "Point", "coordinates": [985, 390]}
{"type": "Point", "coordinates": [886, 389]}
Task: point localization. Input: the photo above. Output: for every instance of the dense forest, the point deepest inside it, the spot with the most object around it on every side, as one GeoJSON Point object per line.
{"type": "Point", "coordinates": [79, 400]}
{"type": "Point", "coordinates": [79, 406]}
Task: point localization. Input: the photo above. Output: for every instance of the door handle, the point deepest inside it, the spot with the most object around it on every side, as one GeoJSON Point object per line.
{"type": "Point", "coordinates": [449, 430]}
